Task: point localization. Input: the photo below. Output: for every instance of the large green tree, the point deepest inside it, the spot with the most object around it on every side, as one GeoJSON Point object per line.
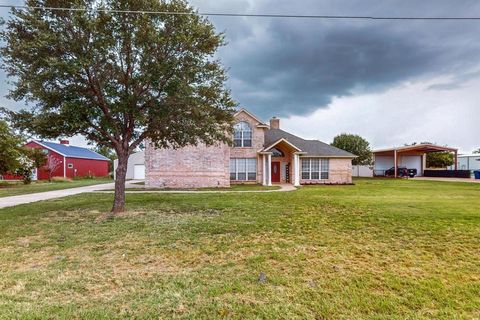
{"type": "Point", "coordinates": [116, 77]}
{"type": "Point", "coordinates": [354, 144]}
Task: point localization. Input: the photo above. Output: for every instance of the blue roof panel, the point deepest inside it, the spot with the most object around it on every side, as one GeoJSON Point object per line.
{"type": "Point", "coordinates": [73, 152]}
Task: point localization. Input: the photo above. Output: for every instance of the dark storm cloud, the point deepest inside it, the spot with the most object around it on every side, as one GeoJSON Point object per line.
{"type": "Point", "coordinates": [296, 72]}
{"type": "Point", "coordinates": [294, 67]}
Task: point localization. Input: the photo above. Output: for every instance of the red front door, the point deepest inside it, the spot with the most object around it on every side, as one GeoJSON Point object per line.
{"type": "Point", "coordinates": [275, 171]}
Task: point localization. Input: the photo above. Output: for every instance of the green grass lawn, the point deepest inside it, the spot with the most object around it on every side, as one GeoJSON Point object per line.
{"type": "Point", "coordinates": [233, 187]}
{"type": "Point", "coordinates": [18, 188]}
{"type": "Point", "coordinates": [382, 249]}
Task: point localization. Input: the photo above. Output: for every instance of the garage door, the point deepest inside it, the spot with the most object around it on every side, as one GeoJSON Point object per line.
{"type": "Point", "coordinates": [139, 172]}
{"type": "Point", "coordinates": [412, 162]}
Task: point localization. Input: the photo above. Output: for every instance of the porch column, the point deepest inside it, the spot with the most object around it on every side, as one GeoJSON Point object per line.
{"type": "Point", "coordinates": [269, 169]}
{"type": "Point", "coordinates": [296, 163]}
{"type": "Point", "coordinates": [395, 163]}
{"type": "Point", "coordinates": [264, 169]}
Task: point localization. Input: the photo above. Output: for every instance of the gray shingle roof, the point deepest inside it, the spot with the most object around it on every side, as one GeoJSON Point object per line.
{"type": "Point", "coordinates": [312, 147]}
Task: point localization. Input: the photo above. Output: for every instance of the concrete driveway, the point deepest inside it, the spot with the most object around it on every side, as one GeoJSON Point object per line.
{"type": "Point", "coordinates": [34, 197]}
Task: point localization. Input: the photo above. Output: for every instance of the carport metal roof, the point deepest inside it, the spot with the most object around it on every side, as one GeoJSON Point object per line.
{"type": "Point", "coordinates": [418, 148]}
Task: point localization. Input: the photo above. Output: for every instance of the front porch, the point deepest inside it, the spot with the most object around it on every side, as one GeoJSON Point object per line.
{"type": "Point", "coordinates": [281, 163]}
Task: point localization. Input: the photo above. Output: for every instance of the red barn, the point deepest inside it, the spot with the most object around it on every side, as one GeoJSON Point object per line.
{"type": "Point", "coordinates": [69, 161]}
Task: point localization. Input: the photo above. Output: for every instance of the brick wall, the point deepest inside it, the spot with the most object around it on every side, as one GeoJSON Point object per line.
{"type": "Point", "coordinates": [340, 172]}
{"type": "Point", "coordinates": [189, 167]}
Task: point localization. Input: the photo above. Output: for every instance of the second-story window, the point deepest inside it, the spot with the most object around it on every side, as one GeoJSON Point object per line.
{"type": "Point", "coordinates": [243, 135]}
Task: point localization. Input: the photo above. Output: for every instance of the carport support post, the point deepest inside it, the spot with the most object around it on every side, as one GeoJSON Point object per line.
{"type": "Point", "coordinates": [424, 163]}
{"type": "Point", "coordinates": [395, 164]}
{"type": "Point", "coordinates": [456, 160]}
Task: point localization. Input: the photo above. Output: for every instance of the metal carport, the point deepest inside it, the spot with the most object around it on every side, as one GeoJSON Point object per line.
{"type": "Point", "coordinates": [393, 155]}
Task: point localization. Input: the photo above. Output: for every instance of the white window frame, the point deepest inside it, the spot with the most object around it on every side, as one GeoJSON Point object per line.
{"type": "Point", "coordinates": [70, 166]}
{"type": "Point", "coordinates": [246, 172]}
{"type": "Point", "coordinates": [322, 164]}
{"type": "Point", "coordinates": [242, 132]}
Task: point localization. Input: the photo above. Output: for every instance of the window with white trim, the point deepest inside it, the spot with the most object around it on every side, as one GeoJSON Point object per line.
{"type": "Point", "coordinates": [242, 169]}
{"type": "Point", "coordinates": [315, 168]}
{"type": "Point", "coordinates": [324, 168]}
{"type": "Point", "coordinates": [242, 136]}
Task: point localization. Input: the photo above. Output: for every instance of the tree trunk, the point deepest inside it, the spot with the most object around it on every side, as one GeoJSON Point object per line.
{"type": "Point", "coordinates": [121, 172]}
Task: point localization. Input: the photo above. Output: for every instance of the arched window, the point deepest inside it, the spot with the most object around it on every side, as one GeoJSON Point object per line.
{"type": "Point", "coordinates": [243, 135]}
{"type": "Point", "coordinates": [277, 153]}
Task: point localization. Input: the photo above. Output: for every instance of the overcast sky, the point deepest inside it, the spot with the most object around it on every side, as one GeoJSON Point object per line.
{"type": "Point", "coordinates": [393, 82]}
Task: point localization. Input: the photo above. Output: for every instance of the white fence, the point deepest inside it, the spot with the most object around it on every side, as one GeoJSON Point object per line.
{"type": "Point", "coordinates": [362, 171]}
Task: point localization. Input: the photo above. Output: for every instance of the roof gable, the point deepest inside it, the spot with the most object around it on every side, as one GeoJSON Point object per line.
{"type": "Point", "coordinates": [284, 141]}
{"type": "Point", "coordinates": [71, 151]}
{"type": "Point", "coordinates": [250, 115]}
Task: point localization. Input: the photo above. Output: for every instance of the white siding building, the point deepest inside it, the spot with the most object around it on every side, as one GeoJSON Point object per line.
{"type": "Point", "coordinates": [135, 168]}
{"type": "Point", "coordinates": [468, 162]}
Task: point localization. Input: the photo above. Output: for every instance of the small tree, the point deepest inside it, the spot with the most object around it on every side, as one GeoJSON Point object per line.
{"type": "Point", "coordinates": [118, 78]}
{"type": "Point", "coordinates": [51, 166]}
{"type": "Point", "coordinates": [25, 168]}
{"type": "Point", "coordinates": [477, 151]}
{"type": "Point", "coordinates": [440, 159]}
{"type": "Point", "coordinates": [357, 145]}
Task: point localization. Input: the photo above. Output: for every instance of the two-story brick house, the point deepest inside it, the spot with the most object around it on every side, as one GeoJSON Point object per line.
{"type": "Point", "coordinates": [262, 153]}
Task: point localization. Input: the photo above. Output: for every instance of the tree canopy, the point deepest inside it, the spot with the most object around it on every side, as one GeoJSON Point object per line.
{"type": "Point", "coordinates": [355, 144]}
{"type": "Point", "coordinates": [118, 78]}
